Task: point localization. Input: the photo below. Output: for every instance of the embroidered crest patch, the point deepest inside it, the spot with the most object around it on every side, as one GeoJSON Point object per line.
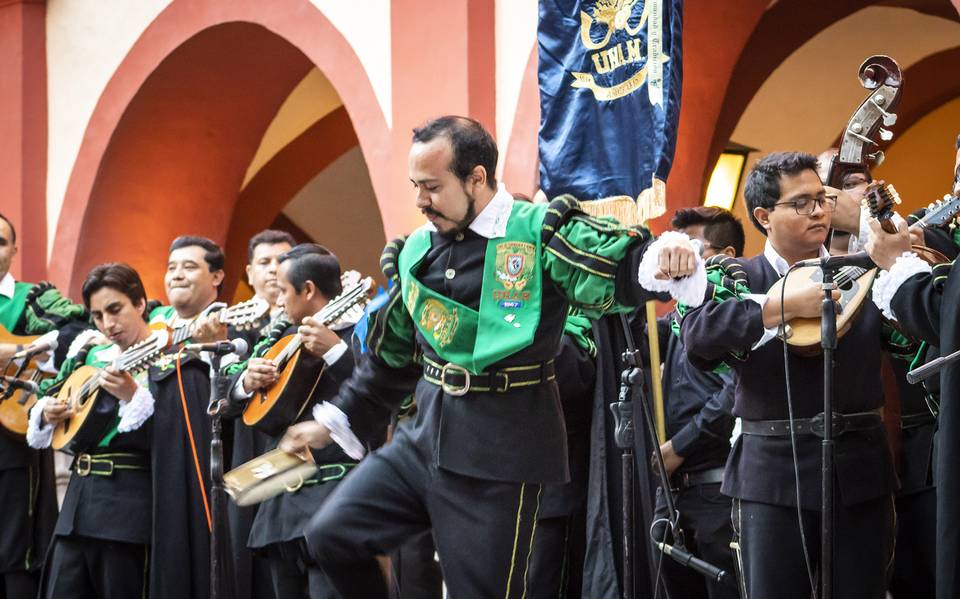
{"type": "Point", "coordinates": [515, 264]}
{"type": "Point", "coordinates": [440, 321]}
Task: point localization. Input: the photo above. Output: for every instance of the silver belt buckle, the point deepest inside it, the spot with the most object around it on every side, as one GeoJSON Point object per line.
{"type": "Point", "coordinates": [450, 389]}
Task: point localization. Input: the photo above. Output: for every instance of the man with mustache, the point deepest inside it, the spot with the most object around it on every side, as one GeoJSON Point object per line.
{"type": "Point", "coordinates": [472, 327]}
{"type": "Point", "coordinates": [788, 203]}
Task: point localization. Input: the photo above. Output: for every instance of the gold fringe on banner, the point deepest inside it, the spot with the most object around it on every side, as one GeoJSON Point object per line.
{"type": "Point", "coordinates": [651, 204]}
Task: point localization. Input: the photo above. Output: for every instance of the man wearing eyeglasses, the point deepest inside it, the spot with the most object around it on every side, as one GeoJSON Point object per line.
{"type": "Point", "coordinates": [773, 536]}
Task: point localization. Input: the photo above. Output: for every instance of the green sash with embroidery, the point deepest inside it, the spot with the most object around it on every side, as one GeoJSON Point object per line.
{"type": "Point", "coordinates": [509, 311]}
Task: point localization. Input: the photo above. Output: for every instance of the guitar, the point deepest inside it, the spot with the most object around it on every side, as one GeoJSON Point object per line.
{"type": "Point", "coordinates": [880, 200]}
{"type": "Point", "coordinates": [16, 403]}
{"type": "Point", "coordinates": [95, 412]}
{"type": "Point", "coordinates": [276, 407]}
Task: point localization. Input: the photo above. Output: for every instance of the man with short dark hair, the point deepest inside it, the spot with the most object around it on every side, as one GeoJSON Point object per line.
{"type": "Point", "coordinates": [263, 259]}
{"type": "Point", "coordinates": [698, 409]}
{"type": "Point", "coordinates": [471, 327]}
{"type": "Point", "coordinates": [27, 490]}
{"type": "Point", "coordinates": [774, 471]}
{"type": "Point", "coordinates": [192, 282]}
{"type": "Point", "coordinates": [309, 278]}
{"type": "Point", "coordinates": [133, 512]}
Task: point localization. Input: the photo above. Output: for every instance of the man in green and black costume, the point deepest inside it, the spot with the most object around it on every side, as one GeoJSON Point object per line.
{"type": "Point", "coordinates": [924, 301]}
{"type": "Point", "coordinates": [27, 487]}
{"type": "Point", "coordinates": [309, 277]}
{"type": "Point", "coordinates": [192, 283]}
{"type": "Point", "coordinates": [243, 443]}
{"type": "Point", "coordinates": [119, 529]}
{"type": "Point", "coordinates": [472, 327]}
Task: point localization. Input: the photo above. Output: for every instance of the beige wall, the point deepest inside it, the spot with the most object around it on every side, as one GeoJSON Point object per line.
{"type": "Point", "coordinates": [311, 100]}
{"type": "Point", "coordinates": [516, 36]}
{"type": "Point", "coordinates": [339, 210]}
{"type": "Point", "coordinates": [920, 163]}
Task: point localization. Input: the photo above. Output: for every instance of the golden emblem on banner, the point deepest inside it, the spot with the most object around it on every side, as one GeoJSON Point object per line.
{"type": "Point", "coordinates": [611, 52]}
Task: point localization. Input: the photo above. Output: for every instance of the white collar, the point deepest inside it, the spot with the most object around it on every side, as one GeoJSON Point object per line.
{"type": "Point", "coordinates": [778, 263]}
{"type": "Point", "coordinates": [7, 286]}
{"type": "Point", "coordinates": [492, 220]}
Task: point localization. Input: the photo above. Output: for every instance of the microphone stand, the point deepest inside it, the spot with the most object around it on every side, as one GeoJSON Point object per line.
{"type": "Point", "coordinates": [631, 384]}
{"type": "Point", "coordinates": [828, 341]}
{"type": "Point", "coordinates": [220, 566]}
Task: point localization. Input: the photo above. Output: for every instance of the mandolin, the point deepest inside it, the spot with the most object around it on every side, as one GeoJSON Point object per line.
{"type": "Point", "coordinates": [95, 412]}
{"type": "Point", "coordinates": [803, 334]}
{"type": "Point", "coordinates": [16, 403]}
{"type": "Point", "coordinates": [276, 407]}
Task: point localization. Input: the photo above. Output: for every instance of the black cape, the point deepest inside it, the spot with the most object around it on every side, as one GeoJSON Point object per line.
{"type": "Point", "coordinates": [933, 315]}
{"type": "Point", "coordinates": [603, 575]}
{"type": "Point", "coordinates": [180, 555]}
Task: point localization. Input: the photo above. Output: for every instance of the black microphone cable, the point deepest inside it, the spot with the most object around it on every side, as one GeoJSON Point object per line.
{"type": "Point", "coordinates": [793, 434]}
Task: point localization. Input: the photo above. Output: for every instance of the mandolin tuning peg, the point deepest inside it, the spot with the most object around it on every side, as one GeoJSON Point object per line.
{"type": "Point", "coordinates": [876, 157]}
{"type": "Point", "coordinates": [889, 119]}
{"type": "Point", "coordinates": [886, 134]}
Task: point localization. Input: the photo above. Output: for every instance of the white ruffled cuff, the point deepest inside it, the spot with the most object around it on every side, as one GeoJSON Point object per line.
{"type": "Point", "coordinates": [888, 282]}
{"type": "Point", "coordinates": [39, 435]}
{"type": "Point", "coordinates": [80, 340]}
{"type": "Point", "coordinates": [338, 424]}
{"type": "Point", "coordinates": [688, 290]}
{"type": "Point", "coordinates": [135, 412]}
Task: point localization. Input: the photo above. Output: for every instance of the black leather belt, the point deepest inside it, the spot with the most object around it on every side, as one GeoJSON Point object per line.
{"type": "Point", "coordinates": [106, 464]}
{"type": "Point", "coordinates": [457, 380]}
{"type": "Point", "coordinates": [916, 420]}
{"type": "Point", "coordinates": [685, 480]}
{"type": "Point", "coordinates": [842, 423]}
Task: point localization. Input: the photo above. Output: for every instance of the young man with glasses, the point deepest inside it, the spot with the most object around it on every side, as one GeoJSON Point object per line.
{"type": "Point", "coordinates": [788, 203]}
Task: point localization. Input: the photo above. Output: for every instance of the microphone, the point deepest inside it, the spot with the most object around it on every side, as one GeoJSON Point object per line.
{"type": "Point", "coordinates": [28, 386]}
{"type": "Point", "coordinates": [33, 350]}
{"type": "Point", "coordinates": [859, 259]}
{"type": "Point", "coordinates": [687, 559]}
{"type": "Point", "coordinates": [221, 348]}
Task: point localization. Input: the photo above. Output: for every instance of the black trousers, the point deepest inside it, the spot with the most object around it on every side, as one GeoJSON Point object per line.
{"type": "Point", "coordinates": [484, 530]}
{"type": "Point", "coordinates": [914, 573]}
{"type": "Point", "coordinates": [771, 555]}
{"type": "Point", "coordinates": [416, 570]}
{"type": "Point", "coordinates": [18, 585]}
{"type": "Point", "coordinates": [705, 521]}
{"type": "Point", "coordinates": [293, 577]}
{"type": "Point", "coordinates": [85, 568]}
{"type": "Point", "coordinates": [556, 566]}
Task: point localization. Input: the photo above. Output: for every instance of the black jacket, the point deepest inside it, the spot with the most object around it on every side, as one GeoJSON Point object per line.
{"type": "Point", "coordinates": [761, 468]}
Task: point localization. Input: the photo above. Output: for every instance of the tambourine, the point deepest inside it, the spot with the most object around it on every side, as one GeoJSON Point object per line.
{"type": "Point", "coordinates": [267, 476]}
